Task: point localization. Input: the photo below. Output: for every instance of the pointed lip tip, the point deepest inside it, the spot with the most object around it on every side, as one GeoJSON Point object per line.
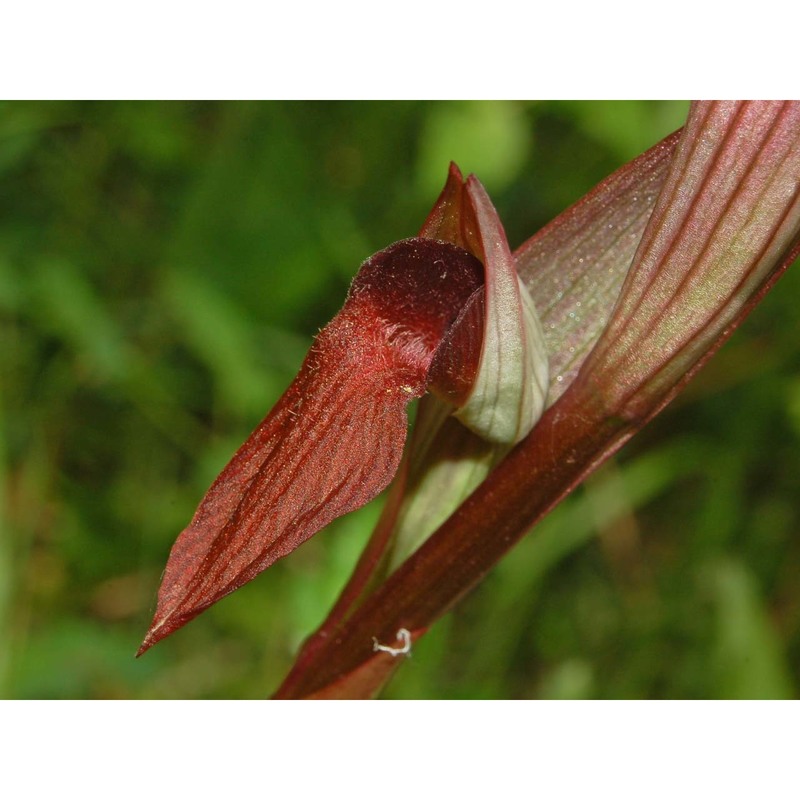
{"type": "Point", "coordinates": [159, 629]}
{"type": "Point", "coordinates": [148, 642]}
{"type": "Point", "coordinates": [153, 636]}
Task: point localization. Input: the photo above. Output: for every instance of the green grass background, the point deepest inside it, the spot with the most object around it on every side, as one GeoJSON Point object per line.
{"type": "Point", "coordinates": [163, 267]}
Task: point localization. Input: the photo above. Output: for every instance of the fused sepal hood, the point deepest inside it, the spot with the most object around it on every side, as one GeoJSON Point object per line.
{"type": "Point", "coordinates": [493, 365]}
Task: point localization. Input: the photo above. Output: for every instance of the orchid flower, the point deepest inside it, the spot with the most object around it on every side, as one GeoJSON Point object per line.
{"type": "Point", "coordinates": [425, 313]}
{"type": "Point", "coordinates": [533, 368]}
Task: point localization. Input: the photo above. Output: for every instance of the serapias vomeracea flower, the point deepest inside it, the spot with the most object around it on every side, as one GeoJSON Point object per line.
{"type": "Point", "coordinates": [632, 289]}
{"type": "Point", "coordinates": [443, 312]}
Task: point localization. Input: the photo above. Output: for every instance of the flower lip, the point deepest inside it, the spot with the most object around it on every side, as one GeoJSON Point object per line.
{"type": "Point", "coordinates": [334, 439]}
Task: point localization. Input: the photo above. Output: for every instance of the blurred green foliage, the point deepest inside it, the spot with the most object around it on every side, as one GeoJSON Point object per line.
{"type": "Point", "coordinates": [163, 267]}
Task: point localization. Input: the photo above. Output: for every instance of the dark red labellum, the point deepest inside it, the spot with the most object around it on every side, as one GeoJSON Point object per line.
{"type": "Point", "coordinates": [334, 440]}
